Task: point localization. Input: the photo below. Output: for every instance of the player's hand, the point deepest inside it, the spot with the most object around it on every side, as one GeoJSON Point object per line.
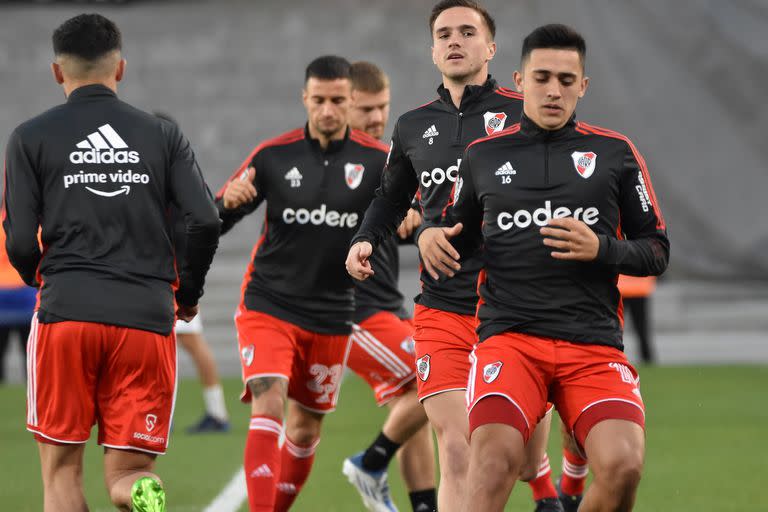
{"type": "Point", "coordinates": [411, 221]}
{"type": "Point", "coordinates": [437, 253]}
{"type": "Point", "coordinates": [573, 239]}
{"type": "Point", "coordinates": [241, 190]}
{"type": "Point", "coordinates": [358, 265]}
{"type": "Point", "coordinates": [186, 313]}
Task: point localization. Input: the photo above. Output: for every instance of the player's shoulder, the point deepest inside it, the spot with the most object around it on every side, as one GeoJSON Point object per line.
{"type": "Point", "coordinates": [427, 109]}
{"type": "Point", "coordinates": [284, 139]}
{"type": "Point", "coordinates": [361, 138]}
{"type": "Point", "coordinates": [605, 135]}
{"type": "Point", "coordinates": [507, 94]}
{"type": "Point", "coordinates": [39, 125]}
{"type": "Point", "coordinates": [504, 135]}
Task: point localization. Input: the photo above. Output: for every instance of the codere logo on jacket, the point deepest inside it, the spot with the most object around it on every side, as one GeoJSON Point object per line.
{"type": "Point", "coordinates": [541, 216]}
{"type": "Point", "coordinates": [438, 175]}
{"type": "Point", "coordinates": [320, 216]}
{"type": "Point", "coordinates": [104, 146]}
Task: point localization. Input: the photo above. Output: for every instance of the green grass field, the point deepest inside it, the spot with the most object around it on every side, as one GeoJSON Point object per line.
{"type": "Point", "coordinates": [707, 432]}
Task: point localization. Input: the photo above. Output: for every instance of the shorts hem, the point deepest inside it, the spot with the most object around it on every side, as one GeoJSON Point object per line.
{"type": "Point", "coordinates": [624, 400]}
{"type": "Point", "coordinates": [395, 391]}
{"type": "Point", "coordinates": [439, 392]}
{"type": "Point", "coordinates": [54, 439]}
{"type": "Point", "coordinates": [477, 400]}
{"type": "Point", "coordinates": [145, 450]}
{"type": "Point", "coordinates": [247, 392]}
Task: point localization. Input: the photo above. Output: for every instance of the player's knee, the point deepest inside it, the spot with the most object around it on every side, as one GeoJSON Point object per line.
{"type": "Point", "coordinates": [493, 456]}
{"type": "Point", "coordinates": [621, 471]}
{"type": "Point", "coordinates": [529, 470]}
{"type": "Point", "coordinates": [454, 455]}
{"type": "Point", "coordinates": [304, 434]}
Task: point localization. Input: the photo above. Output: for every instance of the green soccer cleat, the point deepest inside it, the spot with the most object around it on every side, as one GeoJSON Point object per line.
{"type": "Point", "coordinates": [147, 495]}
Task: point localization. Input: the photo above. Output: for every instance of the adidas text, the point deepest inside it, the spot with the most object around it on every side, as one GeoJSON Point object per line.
{"type": "Point", "coordinates": [104, 156]}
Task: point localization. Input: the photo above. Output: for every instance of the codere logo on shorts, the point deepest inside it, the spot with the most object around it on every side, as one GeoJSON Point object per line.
{"type": "Point", "coordinates": [320, 216]}
{"type": "Point", "coordinates": [541, 216]}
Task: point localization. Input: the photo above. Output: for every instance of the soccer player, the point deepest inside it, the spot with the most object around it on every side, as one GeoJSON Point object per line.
{"type": "Point", "coordinates": [190, 336]}
{"type": "Point", "coordinates": [425, 154]}
{"type": "Point", "coordinates": [574, 209]}
{"type": "Point", "coordinates": [99, 176]}
{"type": "Point", "coordinates": [382, 342]}
{"type": "Point", "coordinates": [295, 316]}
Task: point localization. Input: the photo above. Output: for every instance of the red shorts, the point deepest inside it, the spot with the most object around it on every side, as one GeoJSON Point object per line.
{"type": "Point", "coordinates": [444, 342]}
{"type": "Point", "coordinates": [587, 383]}
{"type": "Point", "coordinates": [82, 373]}
{"type": "Point", "coordinates": [312, 363]}
{"type": "Point", "coordinates": [382, 354]}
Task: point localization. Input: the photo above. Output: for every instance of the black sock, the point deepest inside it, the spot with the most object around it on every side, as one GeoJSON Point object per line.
{"type": "Point", "coordinates": [424, 501]}
{"type": "Point", "coordinates": [378, 455]}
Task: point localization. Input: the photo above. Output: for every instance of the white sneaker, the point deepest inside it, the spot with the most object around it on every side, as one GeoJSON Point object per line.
{"type": "Point", "coordinates": [372, 485]}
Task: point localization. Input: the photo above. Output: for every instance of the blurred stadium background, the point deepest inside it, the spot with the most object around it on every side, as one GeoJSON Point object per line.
{"type": "Point", "coordinates": [684, 80]}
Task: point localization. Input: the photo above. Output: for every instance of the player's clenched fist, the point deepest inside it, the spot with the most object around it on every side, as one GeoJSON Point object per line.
{"type": "Point", "coordinates": [358, 265]}
{"type": "Point", "coordinates": [240, 191]}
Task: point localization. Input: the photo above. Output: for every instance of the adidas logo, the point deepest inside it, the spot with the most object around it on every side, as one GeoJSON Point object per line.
{"type": "Point", "coordinates": [506, 170]}
{"type": "Point", "coordinates": [422, 507]}
{"type": "Point", "coordinates": [431, 132]}
{"type": "Point", "coordinates": [287, 488]}
{"type": "Point", "coordinates": [294, 176]}
{"type": "Point", "coordinates": [262, 471]}
{"type": "Point", "coordinates": [100, 148]}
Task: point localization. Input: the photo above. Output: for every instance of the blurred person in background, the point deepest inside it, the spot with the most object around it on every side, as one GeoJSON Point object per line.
{"type": "Point", "coordinates": [382, 351]}
{"type": "Point", "coordinates": [17, 304]}
{"type": "Point", "coordinates": [425, 154]}
{"type": "Point", "coordinates": [190, 335]}
{"type": "Point", "coordinates": [96, 177]}
{"type": "Point", "coordinates": [636, 293]}
{"type": "Point", "coordinates": [297, 303]}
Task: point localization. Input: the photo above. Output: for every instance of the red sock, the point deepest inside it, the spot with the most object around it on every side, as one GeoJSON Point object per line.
{"type": "Point", "coordinates": [294, 471]}
{"type": "Point", "coordinates": [262, 462]}
{"type": "Point", "coordinates": [542, 485]}
{"type": "Point", "coordinates": [575, 471]}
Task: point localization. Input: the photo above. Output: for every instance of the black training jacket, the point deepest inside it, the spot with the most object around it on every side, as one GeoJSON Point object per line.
{"type": "Point", "coordinates": [511, 184]}
{"type": "Point", "coordinates": [98, 176]}
{"type": "Point", "coordinates": [315, 201]}
{"type": "Point", "coordinates": [425, 153]}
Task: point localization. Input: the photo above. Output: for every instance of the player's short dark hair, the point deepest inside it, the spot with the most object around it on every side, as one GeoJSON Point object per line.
{"type": "Point", "coordinates": [368, 77]}
{"type": "Point", "coordinates": [328, 67]}
{"type": "Point", "coordinates": [87, 36]}
{"type": "Point", "coordinates": [444, 5]}
{"type": "Point", "coordinates": [555, 36]}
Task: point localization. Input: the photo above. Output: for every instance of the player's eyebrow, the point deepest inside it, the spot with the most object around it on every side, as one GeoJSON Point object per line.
{"type": "Point", "coordinates": [460, 28]}
{"type": "Point", "coordinates": [562, 74]}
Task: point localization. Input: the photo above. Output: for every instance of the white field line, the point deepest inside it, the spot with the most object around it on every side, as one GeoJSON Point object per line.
{"type": "Point", "coordinates": [232, 496]}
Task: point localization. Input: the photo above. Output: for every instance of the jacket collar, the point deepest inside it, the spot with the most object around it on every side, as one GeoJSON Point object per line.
{"type": "Point", "coordinates": [91, 91]}
{"type": "Point", "coordinates": [531, 129]}
{"type": "Point", "coordinates": [334, 146]}
{"type": "Point", "coordinates": [472, 93]}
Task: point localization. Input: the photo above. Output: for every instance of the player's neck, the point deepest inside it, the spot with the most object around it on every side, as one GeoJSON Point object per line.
{"type": "Point", "coordinates": [71, 85]}
{"type": "Point", "coordinates": [457, 87]}
{"type": "Point", "coordinates": [324, 139]}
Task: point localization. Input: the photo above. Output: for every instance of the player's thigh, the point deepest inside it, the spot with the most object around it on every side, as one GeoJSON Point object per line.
{"type": "Point", "coordinates": [382, 354]}
{"type": "Point", "coordinates": [137, 390]}
{"type": "Point", "coordinates": [594, 383]}
{"type": "Point", "coordinates": [63, 365]}
{"type": "Point", "coordinates": [444, 341]}
{"type": "Point", "coordinates": [317, 370]}
{"type": "Point", "coordinates": [267, 348]}
{"type": "Point", "coordinates": [508, 381]}
{"type": "Point", "coordinates": [447, 413]}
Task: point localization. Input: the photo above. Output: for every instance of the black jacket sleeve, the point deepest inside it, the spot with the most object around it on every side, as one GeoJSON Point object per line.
{"type": "Point", "coordinates": [195, 203]}
{"type": "Point", "coordinates": [22, 208]}
{"type": "Point", "coordinates": [645, 251]}
{"type": "Point", "coordinates": [393, 197]}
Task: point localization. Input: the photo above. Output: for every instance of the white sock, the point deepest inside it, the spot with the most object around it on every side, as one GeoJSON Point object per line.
{"type": "Point", "coordinates": [214, 402]}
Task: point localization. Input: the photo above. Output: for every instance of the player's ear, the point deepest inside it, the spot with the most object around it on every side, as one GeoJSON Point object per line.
{"type": "Point", "coordinates": [56, 72]}
{"type": "Point", "coordinates": [517, 77]}
{"type": "Point", "coordinates": [584, 85]}
{"type": "Point", "coordinates": [120, 71]}
{"type": "Point", "coordinates": [491, 50]}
